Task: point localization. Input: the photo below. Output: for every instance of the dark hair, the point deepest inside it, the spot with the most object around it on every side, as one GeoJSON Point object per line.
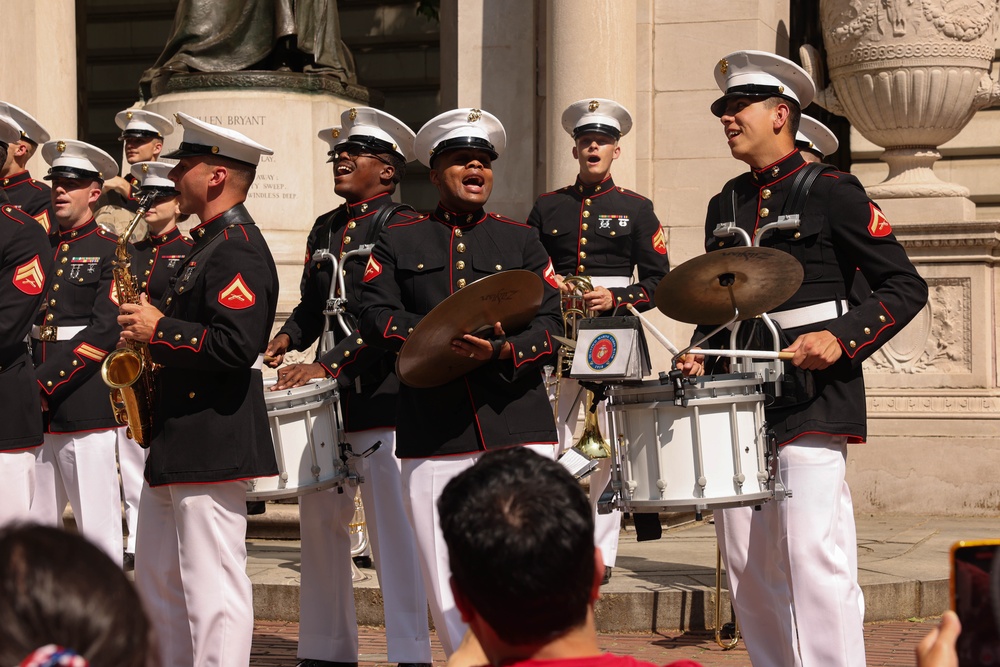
{"type": "Point", "coordinates": [58, 588]}
{"type": "Point", "coordinates": [520, 535]}
{"type": "Point", "coordinates": [398, 164]}
{"type": "Point", "coordinates": [794, 112]}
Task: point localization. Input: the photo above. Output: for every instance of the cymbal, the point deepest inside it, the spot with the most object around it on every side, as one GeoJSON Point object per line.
{"type": "Point", "coordinates": [510, 297]}
{"type": "Point", "coordinates": [762, 279]}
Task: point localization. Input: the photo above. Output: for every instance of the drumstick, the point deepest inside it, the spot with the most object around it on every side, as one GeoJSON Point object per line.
{"type": "Point", "coordinates": [657, 334]}
{"type": "Point", "coordinates": [759, 354]}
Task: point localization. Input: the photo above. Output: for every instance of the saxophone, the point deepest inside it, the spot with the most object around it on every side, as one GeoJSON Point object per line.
{"type": "Point", "coordinates": [129, 371]}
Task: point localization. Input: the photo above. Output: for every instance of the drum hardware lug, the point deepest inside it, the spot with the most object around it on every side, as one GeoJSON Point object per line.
{"type": "Point", "coordinates": [739, 479]}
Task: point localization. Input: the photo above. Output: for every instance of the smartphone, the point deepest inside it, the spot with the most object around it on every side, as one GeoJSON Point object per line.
{"type": "Point", "coordinates": [975, 597]}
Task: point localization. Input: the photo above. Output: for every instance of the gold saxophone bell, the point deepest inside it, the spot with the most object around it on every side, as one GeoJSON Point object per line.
{"type": "Point", "coordinates": [591, 443]}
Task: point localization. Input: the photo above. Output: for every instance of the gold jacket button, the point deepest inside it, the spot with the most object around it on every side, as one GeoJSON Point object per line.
{"type": "Point", "coordinates": [191, 395]}
{"type": "Point", "coordinates": [765, 194]}
{"type": "Point", "coordinates": [764, 212]}
{"type": "Point", "coordinates": [460, 283]}
{"type": "Point", "coordinates": [52, 302]}
{"type": "Point", "coordinates": [49, 383]}
{"type": "Point", "coordinates": [333, 366]}
{"type": "Point", "coordinates": [410, 330]}
{"type": "Point", "coordinates": [151, 262]}
{"type": "Point", "coordinates": [460, 247]}
{"type": "Point", "coordinates": [394, 327]}
{"type": "Point", "coordinates": [583, 241]}
{"type": "Point", "coordinates": [797, 235]}
{"type": "Point", "coordinates": [169, 299]}
{"type": "Point", "coordinates": [520, 355]}
{"type": "Point", "coordinates": [62, 374]}
{"type": "Point", "coordinates": [612, 232]}
{"type": "Point", "coordinates": [458, 232]}
{"type": "Point", "coordinates": [498, 267]}
{"type": "Point", "coordinates": [64, 247]}
{"type": "Point", "coordinates": [587, 202]}
{"type": "Point", "coordinates": [853, 344]}
{"type": "Point", "coordinates": [534, 349]}
{"type": "Point", "coordinates": [180, 289]}
{"type": "Point", "coordinates": [586, 214]}
{"type": "Point", "coordinates": [581, 268]}
{"type": "Point", "coordinates": [583, 255]}
{"type": "Point", "coordinates": [76, 362]}
{"type": "Point", "coordinates": [360, 341]}
{"type": "Point", "coordinates": [459, 265]}
{"type": "Point", "coordinates": [364, 207]}
{"type": "Point", "coordinates": [584, 226]}
{"type": "Point", "coordinates": [347, 239]}
{"type": "Point", "coordinates": [555, 231]}
{"type": "Point", "coordinates": [447, 217]}
{"type": "Point", "coordinates": [49, 317]}
{"type": "Point", "coordinates": [177, 336]}
{"type": "Point", "coordinates": [352, 224]}
{"type": "Point", "coordinates": [347, 353]}
{"type": "Point", "coordinates": [867, 331]}
{"type": "Point", "coordinates": [59, 272]}
{"type": "Point", "coordinates": [420, 267]}
{"type": "Point", "coordinates": [63, 260]}
{"type": "Point", "coordinates": [159, 334]}
{"type": "Point", "coordinates": [194, 341]}
{"type": "Point", "coordinates": [881, 318]}
{"type": "Point", "coordinates": [775, 171]}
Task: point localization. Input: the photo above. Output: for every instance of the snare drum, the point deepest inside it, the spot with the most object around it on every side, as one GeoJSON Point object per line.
{"type": "Point", "coordinates": [306, 429]}
{"type": "Point", "coordinates": [707, 453]}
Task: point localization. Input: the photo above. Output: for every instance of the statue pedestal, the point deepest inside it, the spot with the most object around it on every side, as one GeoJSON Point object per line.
{"type": "Point", "coordinates": [933, 391]}
{"type": "Point", "coordinates": [284, 111]}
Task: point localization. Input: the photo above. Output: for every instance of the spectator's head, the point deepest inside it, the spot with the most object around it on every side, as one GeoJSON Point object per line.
{"type": "Point", "coordinates": [56, 588]}
{"type": "Point", "coordinates": [520, 537]}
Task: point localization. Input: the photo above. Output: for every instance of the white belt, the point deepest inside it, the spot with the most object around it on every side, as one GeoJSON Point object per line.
{"type": "Point", "coordinates": [258, 364]}
{"type": "Point", "coordinates": [818, 312]}
{"type": "Point", "coordinates": [610, 281]}
{"type": "Point", "coordinates": [61, 333]}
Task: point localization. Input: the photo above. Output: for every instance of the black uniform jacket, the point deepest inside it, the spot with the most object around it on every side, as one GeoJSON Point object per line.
{"type": "Point", "coordinates": [155, 260]}
{"type": "Point", "coordinates": [31, 196]}
{"type": "Point", "coordinates": [418, 263]}
{"type": "Point", "coordinates": [115, 198]}
{"type": "Point", "coordinates": [604, 230]}
{"type": "Point", "coordinates": [842, 233]}
{"type": "Point", "coordinates": [81, 293]}
{"type": "Point", "coordinates": [352, 360]}
{"type": "Point", "coordinates": [25, 267]}
{"type": "Point", "coordinates": [210, 422]}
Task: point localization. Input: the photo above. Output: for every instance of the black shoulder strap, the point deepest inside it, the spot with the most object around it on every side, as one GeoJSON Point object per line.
{"type": "Point", "coordinates": [383, 216]}
{"type": "Point", "coordinates": [803, 182]}
{"type": "Point", "coordinates": [727, 202]}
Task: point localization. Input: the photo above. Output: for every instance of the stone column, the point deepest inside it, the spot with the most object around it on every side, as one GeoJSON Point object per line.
{"type": "Point", "coordinates": [39, 57]}
{"type": "Point", "coordinates": [488, 62]}
{"type": "Point", "coordinates": [590, 52]}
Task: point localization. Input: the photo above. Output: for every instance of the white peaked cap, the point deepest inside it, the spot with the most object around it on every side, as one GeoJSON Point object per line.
{"type": "Point", "coordinates": [597, 115]}
{"type": "Point", "coordinates": [761, 74]}
{"type": "Point", "coordinates": [75, 159]}
{"type": "Point", "coordinates": [460, 128]}
{"type": "Point", "coordinates": [201, 138]}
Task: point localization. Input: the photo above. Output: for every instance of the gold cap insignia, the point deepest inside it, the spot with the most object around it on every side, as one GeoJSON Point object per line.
{"type": "Point", "coordinates": [335, 132]}
{"type": "Point", "coordinates": [128, 115]}
{"type": "Point", "coordinates": [177, 119]}
{"type": "Point", "coordinates": [394, 147]}
{"type": "Point", "coordinates": [781, 89]}
{"type": "Point", "coordinates": [723, 66]}
{"type": "Point", "coordinates": [593, 105]}
{"type": "Point", "coordinates": [474, 115]}
{"type": "Point", "coordinates": [23, 135]}
{"type": "Point", "coordinates": [215, 149]}
{"type": "Point", "coordinates": [61, 146]}
{"type": "Point", "coordinates": [145, 168]}
{"type": "Point", "coordinates": [353, 113]}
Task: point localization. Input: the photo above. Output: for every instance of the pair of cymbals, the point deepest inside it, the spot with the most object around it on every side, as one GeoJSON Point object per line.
{"type": "Point", "coordinates": [511, 298]}
{"type": "Point", "coordinates": [704, 290]}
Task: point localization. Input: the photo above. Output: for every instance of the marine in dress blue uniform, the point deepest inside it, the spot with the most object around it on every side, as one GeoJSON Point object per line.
{"type": "Point", "coordinates": [31, 196]}
{"type": "Point", "coordinates": [792, 566]}
{"type": "Point", "coordinates": [25, 266]}
{"type": "Point", "coordinates": [210, 431]}
{"type": "Point", "coordinates": [414, 266]}
{"type": "Point", "coordinates": [369, 153]}
{"type": "Point", "coordinates": [77, 461]}
{"type": "Point", "coordinates": [143, 133]}
{"type": "Point", "coordinates": [597, 229]}
{"type": "Point", "coordinates": [154, 260]}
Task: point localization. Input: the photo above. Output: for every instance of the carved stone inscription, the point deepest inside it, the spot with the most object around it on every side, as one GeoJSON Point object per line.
{"type": "Point", "coordinates": [938, 340]}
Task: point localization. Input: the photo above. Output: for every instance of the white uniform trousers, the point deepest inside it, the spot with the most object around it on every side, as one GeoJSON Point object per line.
{"type": "Point", "coordinates": [423, 482]}
{"type": "Point", "coordinates": [606, 526]}
{"type": "Point", "coordinates": [792, 566]}
{"type": "Point", "coordinates": [131, 464]}
{"type": "Point", "coordinates": [328, 627]}
{"type": "Point", "coordinates": [17, 472]}
{"type": "Point", "coordinates": [80, 468]}
{"type": "Point", "coordinates": [394, 549]}
{"type": "Point", "coordinates": [190, 569]}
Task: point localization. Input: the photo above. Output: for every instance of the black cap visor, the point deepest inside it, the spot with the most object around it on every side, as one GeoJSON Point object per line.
{"type": "Point", "coordinates": [464, 142]}
{"type": "Point", "coordinates": [72, 173]}
{"type": "Point", "coordinates": [600, 128]}
{"type": "Point", "coordinates": [139, 134]}
{"type": "Point", "coordinates": [748, 90]}
{"type": "Point", "coordinates": [366, 143]}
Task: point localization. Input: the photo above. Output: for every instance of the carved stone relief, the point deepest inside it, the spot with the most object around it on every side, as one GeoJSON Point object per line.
{"type": "Point", "coordinates": [938, 340]}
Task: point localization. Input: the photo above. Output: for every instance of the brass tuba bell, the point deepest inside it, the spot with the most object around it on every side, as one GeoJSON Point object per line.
{"type": "Point", "coordinates": [591, 443]}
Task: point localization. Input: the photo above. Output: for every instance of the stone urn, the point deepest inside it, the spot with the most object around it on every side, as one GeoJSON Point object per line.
{"type": "Point", "coordinates": [909, 75]}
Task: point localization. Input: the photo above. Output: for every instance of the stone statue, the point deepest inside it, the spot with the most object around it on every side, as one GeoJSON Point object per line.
{"type": "Point", "coordinates": [234, 35]}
